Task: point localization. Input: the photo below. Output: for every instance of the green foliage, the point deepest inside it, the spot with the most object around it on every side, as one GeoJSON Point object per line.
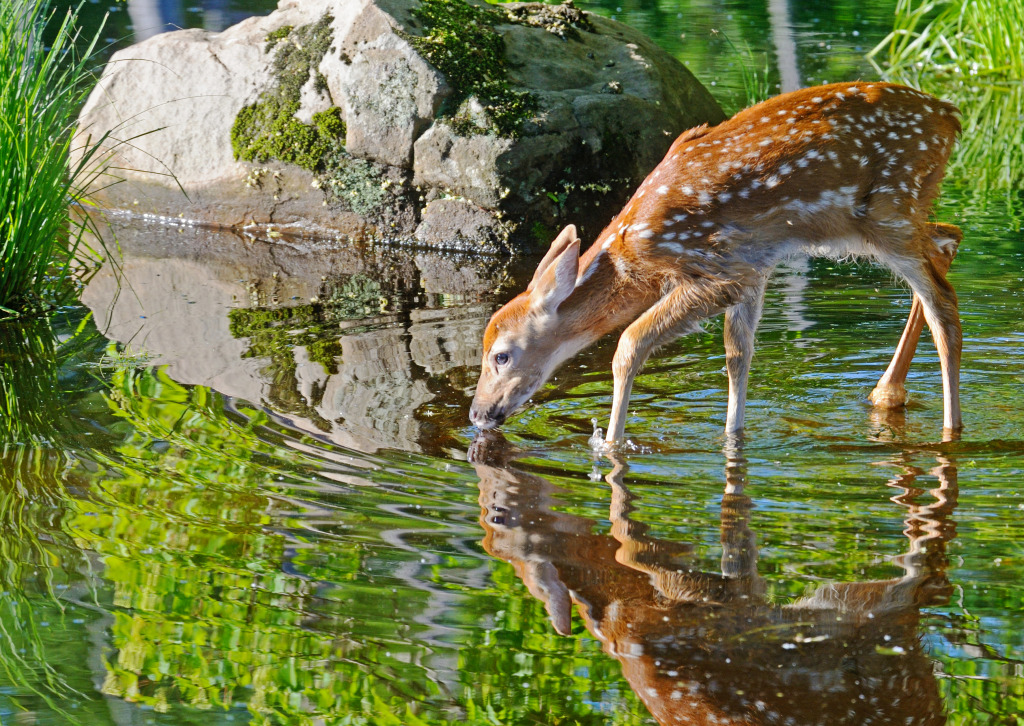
{"type": "Point", "coordinates": [463, 45]}
{"type": "Point", "coordinates": [969, 52]}
{"type": "Point", "coordinates": [268, 130]}
{"type": "Point", "coordinates": [756, 86]}
{"type": "Point", "coordinates": [42, 87]}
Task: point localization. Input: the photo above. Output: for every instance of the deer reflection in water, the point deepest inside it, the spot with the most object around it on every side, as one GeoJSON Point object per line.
{"type": "Point", "coordinates": [708, 647]}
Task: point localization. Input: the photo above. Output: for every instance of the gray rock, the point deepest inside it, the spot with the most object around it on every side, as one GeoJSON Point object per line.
{"type": "Point", "coordinates": [391, 95]}
{"type": "Point", "coordinates": [447, 221]}
{"type": "Point", "coordinates": [607, 105]}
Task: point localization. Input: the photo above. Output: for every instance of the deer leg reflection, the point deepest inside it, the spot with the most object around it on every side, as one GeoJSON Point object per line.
{"type": "Point", "coordinates": [671, 565]}
{"type": "Point", "coordinates": [703, 647]}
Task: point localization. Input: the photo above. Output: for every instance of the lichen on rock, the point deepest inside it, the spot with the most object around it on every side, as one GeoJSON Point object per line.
{"type": "Point", "coordinates": [565, 20]}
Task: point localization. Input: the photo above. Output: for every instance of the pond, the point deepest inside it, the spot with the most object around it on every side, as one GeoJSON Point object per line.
{"type": "Point", "coordinates": [239, 486]}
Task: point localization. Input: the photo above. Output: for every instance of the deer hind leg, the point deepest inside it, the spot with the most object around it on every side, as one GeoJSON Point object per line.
{"type": "Point", "coordinates": [740, 327]}
{"type": "Point", "coordinates": [938, 305]}
{"type": "Point", "coordinates": [890, 392]}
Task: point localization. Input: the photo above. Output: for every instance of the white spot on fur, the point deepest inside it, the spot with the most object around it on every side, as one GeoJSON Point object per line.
{"type": "Point", "coordinates": [663, 190]}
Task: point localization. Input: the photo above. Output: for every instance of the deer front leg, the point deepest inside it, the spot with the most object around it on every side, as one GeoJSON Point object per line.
{"type": "Point", "coordinates": [890, 391]}
{"type": "Point", "coordinates": [677, 313]}
{"type": "Point", "coordinates": [740, 328]}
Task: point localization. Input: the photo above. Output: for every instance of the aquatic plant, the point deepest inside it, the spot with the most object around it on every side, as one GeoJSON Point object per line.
{"type": "Point", "coordinates": [42, 87]}
{"type": "Point", "coordinates": [967, 51]}
{"type": "Point", "coordinates": [753, 73]}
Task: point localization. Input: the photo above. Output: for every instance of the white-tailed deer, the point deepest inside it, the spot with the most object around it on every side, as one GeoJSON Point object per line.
{"type": "Point", "coordinates": [849, 169]}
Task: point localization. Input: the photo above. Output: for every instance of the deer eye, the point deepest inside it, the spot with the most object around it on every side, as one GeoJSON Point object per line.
{"type": "Point", "coordinates": [501, 359]}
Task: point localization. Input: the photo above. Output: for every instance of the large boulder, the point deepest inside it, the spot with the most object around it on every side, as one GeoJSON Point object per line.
{"type": "Point", "coordinates": [437, 121]}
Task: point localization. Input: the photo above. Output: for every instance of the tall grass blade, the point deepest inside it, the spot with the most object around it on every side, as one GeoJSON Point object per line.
{"type": "Point", "coordinates": [969, 52]}
{"type": "Point", "coordinates": [42, 89]}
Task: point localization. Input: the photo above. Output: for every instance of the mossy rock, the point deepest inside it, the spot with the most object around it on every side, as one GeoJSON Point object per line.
{"type": "Point", "coordinates": [268, 130]}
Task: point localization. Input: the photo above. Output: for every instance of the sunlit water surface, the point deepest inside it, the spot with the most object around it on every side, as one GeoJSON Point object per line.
{"type": "Point", "coordinates": [258, 508]}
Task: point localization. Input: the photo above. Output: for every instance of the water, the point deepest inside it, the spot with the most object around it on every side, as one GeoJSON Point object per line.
{"type": "Point", "coordinates": [243, 506]}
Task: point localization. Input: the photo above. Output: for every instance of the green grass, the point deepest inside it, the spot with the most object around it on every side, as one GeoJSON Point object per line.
{"type": "Point", "coordinates": [754, 73]}
{"type": "Point", "coordinates": [969, 52]}
{"type": "Point", "coordinates": [42, 88]}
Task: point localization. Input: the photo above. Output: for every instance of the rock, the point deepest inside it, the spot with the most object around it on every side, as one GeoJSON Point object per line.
{"type": "Point", "coordinates": [457, 222]}
{"type": "Point", "coordinates": [357, 120]}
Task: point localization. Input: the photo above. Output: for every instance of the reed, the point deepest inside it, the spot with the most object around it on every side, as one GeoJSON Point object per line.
{"type": "Point", "coordinates": [43, 84]}
{"type": "Point", "coordinates": [968, 51]}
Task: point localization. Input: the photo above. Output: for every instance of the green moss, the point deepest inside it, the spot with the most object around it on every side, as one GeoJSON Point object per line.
{"type": "Point", "coordinates": [268, 130]}
{"type": "Point", "coordinates": [329, 123]}
{"type": "Point", "coordinates": [461, 42]}
{"type": "Point", "coordinates": [276, 35]}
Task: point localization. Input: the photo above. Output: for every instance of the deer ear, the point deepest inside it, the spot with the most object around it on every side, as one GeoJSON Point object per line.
{"type": "Point", "coordinates": [547, 587]}
{"type": "Point", "coordinates": [564, 238]}
{"type": "Point", "coordinates": [558, 281]}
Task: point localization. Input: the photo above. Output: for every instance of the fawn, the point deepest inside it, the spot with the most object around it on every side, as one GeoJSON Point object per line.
{"type": "Point", "coordinates": [847, 169]}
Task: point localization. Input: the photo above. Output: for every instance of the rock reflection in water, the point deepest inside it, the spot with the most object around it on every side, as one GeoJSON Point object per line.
{"type": "Point", "coordinates": [347, 344]}
{"type": "Point", "coordinates": [708, 647]}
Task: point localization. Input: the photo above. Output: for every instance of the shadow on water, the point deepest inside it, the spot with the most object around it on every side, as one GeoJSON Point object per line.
{"type": "Point", "coordinates": [708, 647]}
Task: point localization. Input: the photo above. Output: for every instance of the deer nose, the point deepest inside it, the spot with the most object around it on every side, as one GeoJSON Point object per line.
{"type": "Point", "coordinates": [486, 419]}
